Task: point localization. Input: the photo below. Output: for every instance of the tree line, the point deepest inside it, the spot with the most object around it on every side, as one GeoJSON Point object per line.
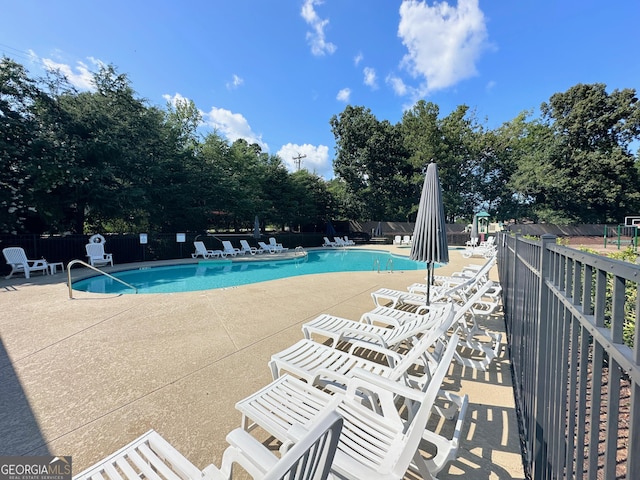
{"type": "Point", "coordinates": [106, 160]}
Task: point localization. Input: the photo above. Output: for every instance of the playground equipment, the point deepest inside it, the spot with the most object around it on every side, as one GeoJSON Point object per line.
{"type": "Point", "coordinates": [621, 235]}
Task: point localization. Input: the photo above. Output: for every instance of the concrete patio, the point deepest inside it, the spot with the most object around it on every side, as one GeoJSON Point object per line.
{"type": "Point", "coordinates": [84, 377]}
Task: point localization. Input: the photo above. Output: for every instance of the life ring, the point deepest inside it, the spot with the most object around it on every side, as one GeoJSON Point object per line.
{"type": "Point", "coordinates": [97, 238]}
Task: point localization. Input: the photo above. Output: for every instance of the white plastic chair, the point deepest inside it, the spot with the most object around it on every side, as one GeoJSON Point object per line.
{"type": "Point", "coordinates": [201, 251]}
{"type": "Point", "coordinates": [339, 241]}
{"type": "Point", "coordinates": [17, 259]}
{"type": "Point", "coordinates": [246, 248]}
{"type": "Point", "coordinates": [153, 458]}
{"type": "Point", "coordinates": [263, 247]}
{"type": "Point", "coordinates": [342, 329]}
{"type": "Point", "coordinates": [329, 243]}
{"type": "Point", "coordinates": [228, 249]}
{"type": "Point", "coordinates": [479, 275]}
{"type": "Point", "coordinates": [277, 246]}
{"type": "Point", "coordinates": [320, 364]}
{"type": "Point", "coordinates": [484, 346]}
{"type": "Point", "coordinates": [376, 441]}
{"type": "Point", "coordinates": [96, 255]}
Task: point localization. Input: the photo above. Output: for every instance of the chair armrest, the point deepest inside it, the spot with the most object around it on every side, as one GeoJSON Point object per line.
{"type": "Point", "coordinates": [247, 452]}
{"type": "Point", "coordinates": [345, 336]}
{"type": "Point", "coordinates": [37, 263]}
{"type": "Point", "coordinates": [393, 357]}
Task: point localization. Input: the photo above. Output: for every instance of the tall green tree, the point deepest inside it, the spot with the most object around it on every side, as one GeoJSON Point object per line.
{"type": "Point", "coordinates": [370, 160]}
{"type": "Point", "coordinates": [29, 153]}
{"type": "Point", "coordinates": [111, 144]}
{"type": "Point", "coordinates": [583, 170]}
{"type": "Point", "coordinates": [452, 143]}
{"type": "Point", "coordinates": [314, 199]}
{"type": "Point", "coordinates": [501, 151]}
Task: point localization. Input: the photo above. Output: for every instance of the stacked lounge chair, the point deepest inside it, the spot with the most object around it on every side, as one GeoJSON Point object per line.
{"type": "Point", "coordinates": [359, 405]}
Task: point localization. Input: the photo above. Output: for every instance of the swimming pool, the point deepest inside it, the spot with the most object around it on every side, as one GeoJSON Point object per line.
{"type": "Point", "coordinates": [211, 274]}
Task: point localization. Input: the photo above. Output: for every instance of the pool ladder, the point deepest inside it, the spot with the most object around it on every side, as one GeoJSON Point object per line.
{"type": "Point", "coordinates": [74, 262]}
{"type": "Point", "coordinates": [388, 267]}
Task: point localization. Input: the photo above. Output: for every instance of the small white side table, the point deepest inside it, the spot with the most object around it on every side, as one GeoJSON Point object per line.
{"type": "Point", "coordinates": [53, 267]}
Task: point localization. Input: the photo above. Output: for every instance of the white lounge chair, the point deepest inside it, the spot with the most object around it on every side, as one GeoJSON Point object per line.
{"type": "Point", "coordinates": [417, 293]}
{"type": "Point", "coordinates": [406, 240]}
{"type": "Point", "coordinates": [375, 443]}
{"type": "Point", "coordinates": [486, 249]}
{"type": "Point", "coordinates": [153, 458]}
{"type": "Point", "coordinates": [339, 242]}
{"type": "Point", "coordinates": [17, 259]}
{"type": "Point", "coordinates": [278, 246]}
{"type": "Point", "coordinates": [329, 243]}
{"type": "Point", "coordinates": [246, 248]}
{"type": "Point", "coordinates": [482, 345]}
{"type": "Point", "coordinates": [397, 240]}
{"type": "Point", "coordinates": [96, 255]}
{"type": "Point", "coordinates": [467, 272]}
{"type": "Point", "coordinates": [383, 296]}
{"type": "Point", "coordinates": [350, 243]}
{"type": "Point", "coordinates": [228, 249]}
{"type": "Point", "coordinates": [202, 251]}
{"type": "Point", "coordinates": [472, 242]}
{"type": "Point", "coordinates": [331, 369]}
{"type": "Point", "coordinates": [321, 364]}
{"type": "Point", "coordinates": [344, 330]}
{"type": "Point", "coordinates": [263, 247]}
{"type": "Point", "coordinates": [465, 276]}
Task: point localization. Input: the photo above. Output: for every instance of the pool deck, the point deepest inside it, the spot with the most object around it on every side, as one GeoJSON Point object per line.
{"type": "Point", "coordinates": [84, 377]}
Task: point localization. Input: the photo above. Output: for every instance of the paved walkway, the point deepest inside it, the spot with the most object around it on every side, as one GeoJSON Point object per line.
{"type": "Point", "coordinates": [84, 377]}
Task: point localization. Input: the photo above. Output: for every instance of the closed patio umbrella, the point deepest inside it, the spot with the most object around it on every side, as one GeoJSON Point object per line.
{"type": "Point", "coordinates": [330, 230]}
{"type": "Point", "coordinates": [430, 234]}
{"type": "Point", "coordinates": [474, 231]}
{"type": "Point", "coordinates": [256, 228]}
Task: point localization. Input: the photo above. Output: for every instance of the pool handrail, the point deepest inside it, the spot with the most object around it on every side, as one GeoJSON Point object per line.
{"type": "Point", "coordinates": [85, 264]}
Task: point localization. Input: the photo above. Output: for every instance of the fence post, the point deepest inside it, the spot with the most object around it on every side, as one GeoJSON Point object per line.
{"type": "Point", "coordinates": [540, 458]}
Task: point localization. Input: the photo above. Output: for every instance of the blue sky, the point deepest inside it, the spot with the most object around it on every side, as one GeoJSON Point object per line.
{"type": "Point", "coordinates": [275, 72]}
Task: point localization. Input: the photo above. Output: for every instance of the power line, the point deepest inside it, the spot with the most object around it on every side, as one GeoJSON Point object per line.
{"type": "Point", "coordinates": [15, 52]}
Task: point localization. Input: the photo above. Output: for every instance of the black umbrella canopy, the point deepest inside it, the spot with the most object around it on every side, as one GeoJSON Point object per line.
{"type": "Point", "coordinates": [430, 232]}
{"type": "Point", "coordinates": [256, 228]}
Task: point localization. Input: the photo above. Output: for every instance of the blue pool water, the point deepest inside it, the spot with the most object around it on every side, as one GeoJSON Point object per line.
{"type": "Point", "coordinates": [211, 274]}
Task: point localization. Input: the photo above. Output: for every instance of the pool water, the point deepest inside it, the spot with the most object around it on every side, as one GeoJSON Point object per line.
{"type": "Point", "coordinates": [210, 274]}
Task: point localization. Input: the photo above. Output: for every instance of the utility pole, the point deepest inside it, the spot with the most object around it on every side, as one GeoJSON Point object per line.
{"type": "Point", "coordinates": [298, 160]}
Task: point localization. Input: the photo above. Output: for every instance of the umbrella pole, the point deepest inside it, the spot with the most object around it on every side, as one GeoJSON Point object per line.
{"type": "Point", "coordinates": [429, 276]}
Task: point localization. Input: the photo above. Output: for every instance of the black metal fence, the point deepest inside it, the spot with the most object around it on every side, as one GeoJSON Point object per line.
{"type": "Point", "coordinates": [126, 248]}
{"type": "Point", "coordinates": [568, 314]}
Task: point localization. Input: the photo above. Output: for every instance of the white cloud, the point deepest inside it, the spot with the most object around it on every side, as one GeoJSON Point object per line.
{"type": "Point", "coordinates": [357, 59]}
{"type": "Point", "coordinates": [316, 158]}
{"type": "Point", "coordinates": [175, 99]}
{"type": "Point", "coordinates": [398, 86]}
{"type": "Point", "coordinates": [316, 37]}
{"type": "Point", "coordinates": [444, 42]}
{"type": "Point", "coordinates": [344, 95]}
{"type": "Point", "coordinates": [232, 126]}
{"type": "Point", "coordinates": [80, 77]}
{"type": "Point", "coordinates": [235, 82]}
{"type": "Point", "coordinates": [370, 78]}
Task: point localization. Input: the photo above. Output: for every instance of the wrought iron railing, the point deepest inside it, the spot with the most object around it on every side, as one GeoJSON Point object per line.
{"type": "Point", "coordinates": [576, 376]}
